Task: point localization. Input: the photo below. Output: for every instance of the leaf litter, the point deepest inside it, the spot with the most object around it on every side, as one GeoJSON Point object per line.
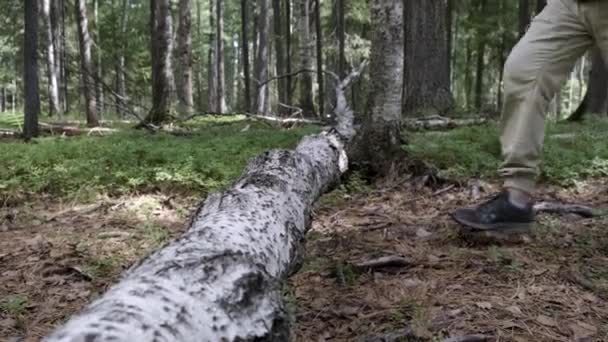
{"type": "Point", "coordinates": [426, 281]}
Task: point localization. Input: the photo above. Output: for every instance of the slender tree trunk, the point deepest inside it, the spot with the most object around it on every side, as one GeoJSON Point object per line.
{"type": "Point", "coordinates": [52, 66]}
{"type": "Point", "coordinates": [121, 91]}
{"type": "Point", "coordinates": [596, 98]}
{"type": "Point", "coordinates": [524, 16]}
{"type": "Point", "coordinates": [288, 80]}
{"type": "Point", "coordinates": [2, 99]}
{"type": "Point", "coordinates": [379, 143]}
{"type": "Point", "coordinates": [199, 65]}
{"type": "Point", "coordinates": [184, 48]}
{"type": "Point", "coordinates": [306, 58]}
{"type": "Point", "coordinates": [162, 51]}
{"type": "Point", "coordinates": [30, 70]}
{"type": "Point", "coordinates": [58, 38]}
{"type": "Point", "coordinates": [427, 76]}
{"type": "Point", "coordinates": [220, 60]}
{"type": "Point", "coordinates": [245, 49]}
{"type": "Point", "coordinates": [319, 35]}
{"type": "Point", "coordinates": [212, 67]}
{"type": "Point", "coordinates": [261, 61]}
{"type": "Point", "coordinates": [99, 93]}
{"type": "Point", "coordinates": [279, 47]}
{"type": "Point", "coordinates": [481, 53]}
{"type": "Point", "coordinates": [65, 76]}
{"type": "Point", "coordinates": [341, 33]}
{"type": "Point", "coordinates": [449, 16]}
{"type": "Point", "coordinates": [86, 65]}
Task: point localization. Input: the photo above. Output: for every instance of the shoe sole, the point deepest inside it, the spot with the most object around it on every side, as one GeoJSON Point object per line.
{"type": "Point", "coordinates": [509, 228]}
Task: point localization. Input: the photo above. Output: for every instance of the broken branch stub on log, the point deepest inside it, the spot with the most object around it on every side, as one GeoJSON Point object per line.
{"type": "Point", "coordinates": [221, 280]}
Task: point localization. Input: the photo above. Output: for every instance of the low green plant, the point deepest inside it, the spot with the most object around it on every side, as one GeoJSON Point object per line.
{"type": "Point", "coordinates": [101, 267]}
{"type": "Point", "coordinates": [14, 305]}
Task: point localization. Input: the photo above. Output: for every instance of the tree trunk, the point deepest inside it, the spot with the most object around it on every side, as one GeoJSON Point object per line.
{"type": "Point", "coordinates": [279, 48]}
{"type": "Point", "coordinates": [288, 80]}
{"type": "Point", "coordinates": [449, 17]}
{"type": "Point", "coordinates": [212, 64]}
{"type": "Point", "coordinates": [540, 5]}
{"type": "Point", "coordinates": [121, 91]}
{"type": "Point", "coordinates": [468, 77]}
{"type": "Point", "coordinates": [524, 16]}
{"type": "Point", "coordinates": [51, 55]}
{"type": "Point", "coordinates": [222, 280]}
{"type": "Point", "coordinates": [99, 92]}
{"type": "Point", "coordinates": [30, 70]}
{"type": "Point", "coordinates": [162, 51]}
{"type": "Point", "coordinates": [427, 58]}
{"type": "Point", "coordinates": [220, 77]}
{"type": "Point", "coordinates": [245, 49]}
{"type": "Point", "coordinates": [2, 99]}
{"type": "Point", "coordinates": [319, 40]}
{"type": "Point", "coordinates": [596, 97]}
{"type": "Point", "coordinates": [184, 48]}
{"type": "Point", "coordinates": [261, 60]}
{"type": "Point", "coordinates": [86, 65]}
{"type": "Point", "coordinates": [64, 59]}
{"type": "Point", "coordinates": [59, 47]}
{"type": "Point", "coordinates": [341, 33]}
{"type": "Point", "coordinates": [481, 53]}
{"type": "Point", "coordinates": [379, 143]}
{"type": "Point", "coordinates": [306, 46]}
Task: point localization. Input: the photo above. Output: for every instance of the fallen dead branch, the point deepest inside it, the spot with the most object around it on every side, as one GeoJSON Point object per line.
{"type": "Point", "coordinates": [468, 338]}
{"type": "Point", "coordinates": [55, 129]}
{"type": "Point", "coordinates": [392, 261]}
{"type": "Point", "coordinates": [437, 122]}
{"type": "Point", "coordinates": [562, 209]}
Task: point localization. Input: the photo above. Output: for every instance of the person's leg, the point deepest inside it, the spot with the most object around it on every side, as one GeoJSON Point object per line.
{"type": "Point", "coordinates": [534, 72]}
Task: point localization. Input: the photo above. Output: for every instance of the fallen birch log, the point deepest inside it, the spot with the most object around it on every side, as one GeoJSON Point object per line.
{"type": "Point", "coordinates": [222, 279]}
{"type": "Point", "coordinates": [437, 122]}
{"type": "Point", "coordinates": [561, 208]}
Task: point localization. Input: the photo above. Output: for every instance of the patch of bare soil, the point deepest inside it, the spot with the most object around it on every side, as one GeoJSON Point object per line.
{"type": "Point", "coordinates": [440, 283]}
{"type": "Point", "coordinates": [57, 257]}
{"type": "Point", "coordinates": [388, 265]}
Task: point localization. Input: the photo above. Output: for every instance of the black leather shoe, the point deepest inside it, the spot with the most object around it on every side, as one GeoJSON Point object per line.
{"type": "Point", "coordinates": [497, 214]}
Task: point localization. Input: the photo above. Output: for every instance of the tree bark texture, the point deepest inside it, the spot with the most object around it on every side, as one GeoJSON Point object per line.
{"type": "Point", "coordinates": [262, 102]}
{"type": "Point", "coordinates": [162, 51]}
{"type": "Point", "coordinates": [481, 53]}
{"type": "Point", "coordinates": [30, 70]}
{"type": "Point", "coordinates": [379, 143]}
{"type": "Point", "coordinates": [184, 48]}
{"type": "Point", "coordinates": [288, 80]}
{"type": "Point", "coordinates": [121, 91]}
{"type": "Point", "coordinates": [427, 59]}
{"type": "Point", "coordinates": [212, 99]}
{"type": "Point", "coordinates": [86, 64]}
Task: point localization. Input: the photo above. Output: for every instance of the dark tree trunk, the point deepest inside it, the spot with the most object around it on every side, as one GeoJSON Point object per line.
{"type": "Point", "coordinates": [306, 48]}
{"type": "Point", "coordinates": [468, 77]}
{"type": "Point", "coordinates": [64, 59]}
{"type": "Point", "coordinates": [279, 48]}
{"type": "Point", "coordinates": [596, 97]}
{"type": "Point", "coordinates": [184, 41]}
{"type": "Point", "coordinates": [99, 91]}
{"type": "Point", "coordinates": [288, 80]}
{"type": "Point", "coordinates": [319, 41]}
{"type": "Point", "coordinates": [379, 143]}
{"type": "Point", "coordinates": [212, 100]}
{"type": "Point", "coordinates": [540, 5]}
{"type": "Point", "coordinates": [245, 49]}
{"type": "Point", "coordinates": [2, 99]}
{"type": "Point", "coordinates": [59, 47]}
{"type": "Point", "coordinates": [262, 56]}
{"type": "Point", "coordinates": [162, 50]}
{"type": "Point", "coordinates": [341, 32]}
{"type": "Point", "coordinates": [86, 64]}
{"type": "Point", "coordinates": [30, 70]}
{"type": "Point", "coordinates": [427, 58]}
{"type": "Point", "coordinates": [524, 16]}
{"type": "Point", "coordinates": [449, 16]}
{"type": "Point", "coordinates": [481, 53]}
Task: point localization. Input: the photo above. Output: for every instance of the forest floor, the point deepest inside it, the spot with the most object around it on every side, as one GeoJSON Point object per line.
{"type": "Point", "coordinates": [76, 212]}
{"type": "Point", "coordinates": [55, 258]}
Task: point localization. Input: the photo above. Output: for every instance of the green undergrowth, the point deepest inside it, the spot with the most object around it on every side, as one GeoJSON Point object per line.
{"type": "Point", "coordinates": [131, 160]}
{"type": "Point", "coordinates": [573, 151]}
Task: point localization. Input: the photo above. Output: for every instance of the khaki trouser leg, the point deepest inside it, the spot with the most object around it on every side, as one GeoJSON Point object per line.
{"type": "Point", "coordinates": [534, 72]}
